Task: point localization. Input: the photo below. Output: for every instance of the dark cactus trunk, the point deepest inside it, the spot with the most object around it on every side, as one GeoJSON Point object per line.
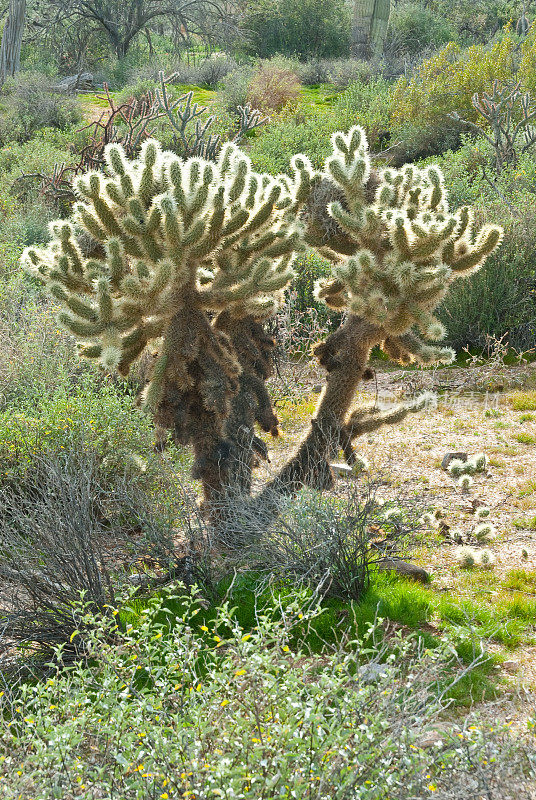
{"type": "Point", "coordinates": [12, 40]}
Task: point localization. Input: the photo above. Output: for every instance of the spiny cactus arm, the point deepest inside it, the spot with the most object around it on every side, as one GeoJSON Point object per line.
{"type": "Point", "coordinates": [367, 420]}
{"type": "Point", "coordinates": [249, 119]}
{"type": "Point", "coordinates": [181, 113]}
{"type": "Point", "coordinates": [410, 347]}
{"type": "Point", "coordinates": [467, 252]}
{"type": "Point", "coordinates": [408, 248]}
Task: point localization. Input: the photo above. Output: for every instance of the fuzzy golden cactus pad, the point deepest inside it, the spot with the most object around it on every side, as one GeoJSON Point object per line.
{"type": "Point", "coordinates": [169, 233]}
{"type": "Point", "coordinates": [407, 248]}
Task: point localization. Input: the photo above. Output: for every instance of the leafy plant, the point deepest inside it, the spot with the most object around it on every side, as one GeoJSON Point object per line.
{"type": "Point", "coordinates": [313, 28]}
{"type": "Point", "coordinates": [28, 103]}
{"type": "Point", "coordinates": [273, 87]}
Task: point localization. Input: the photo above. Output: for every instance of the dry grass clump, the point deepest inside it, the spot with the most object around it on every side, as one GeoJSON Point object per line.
{"type": "Point", "coordinates": [523, 401]}
{"type": "Point", "coordinates": [272, 88]}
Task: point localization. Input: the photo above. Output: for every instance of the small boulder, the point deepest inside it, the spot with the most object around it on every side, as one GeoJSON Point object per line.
{"type": "Point", "coordinates": [72, 83]}
{"type": "Point", "coordinates": [404, 568]}
{"type": "Point", "coordinates": [510, 666]}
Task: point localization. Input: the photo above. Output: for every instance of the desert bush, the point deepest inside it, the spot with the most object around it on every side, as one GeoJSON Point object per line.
{"type": "Point", "coordinates": [331, 545]}
{"type": "Point", "coordinates": [21, 222]}
{"type": "Point", "coordinates": [271, 149]}
{"type": "Point", "coordinates": [309, 130]}
{"type": "Point", "coordinates": [27, 211]}
{"type": "Point", "coordinates": [97, 412]}
{"type": "Point", "coordinates": [501, 299]}
{"type": "Point", "coordinates": [309, 268]}
{"type": "Point", "coordinates": [368, 105]}
{"type": "Point", "coordinates": [340, 72]}
{"type": "Point", "coordinates": [442, 85]}
{"type": "Point", "coordinates": [58, 521]}
{"type": "Point", "coordinates": [28, 103]}
{"type": "Point", "coordinates": [211, 72]}
{"type": "Point", "coordinates": [310, 29]}
{"type": "Point", "coordinates": [139, 90]}
{"type": "Point", "coordinates": [477, 20]}
{"type": "Point", "coordinates": [503, 294]}
{"type": "Point", "coordinates": [447, 81]}
{"type": "Point", "coordinates": [411, 142]}
{"type": "Point", "coordinates": [171, 713]}
{"type": "Point", "coordinates": [302, 320]}
{"type": "Point", "coordinates": [273, 87]}
{"type": "Point", "coordinates": [36, 358]}
{"type": "Point", "coordinates": [208, 73]}
{"type": "Point", "coordinates": [414, 28]}
{"type": "Point", "coordinates": [234, 89]}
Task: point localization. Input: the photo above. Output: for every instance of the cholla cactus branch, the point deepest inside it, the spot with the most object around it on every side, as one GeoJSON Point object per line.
{"type": "Point", "coordinates": [182, 112]}
{"type": "Point", "coordinates": [509, 113]}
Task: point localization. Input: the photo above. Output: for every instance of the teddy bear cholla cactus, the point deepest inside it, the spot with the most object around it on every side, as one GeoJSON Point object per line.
{"type": "Point", "coordinates": [395, 249]}
{"type": "Point", "coordinates": [192, 255]}
{"type": "Point", "coordinates": [403, 249]}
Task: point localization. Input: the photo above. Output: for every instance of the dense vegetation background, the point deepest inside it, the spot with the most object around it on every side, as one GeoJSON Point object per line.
{"type": "Point", "coordinates": [308, 669]}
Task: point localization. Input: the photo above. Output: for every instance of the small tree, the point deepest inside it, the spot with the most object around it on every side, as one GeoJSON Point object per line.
{"type": "Point", "coordinates": [122, 21]}
{"type": "Point", "coordinates": [193, 256]}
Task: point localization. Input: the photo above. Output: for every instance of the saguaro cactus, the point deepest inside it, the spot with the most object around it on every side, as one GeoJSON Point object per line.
{"type": "Point", "coordinates": [369, 26]}
{"type": "Point", "coordinates": [193, 256]}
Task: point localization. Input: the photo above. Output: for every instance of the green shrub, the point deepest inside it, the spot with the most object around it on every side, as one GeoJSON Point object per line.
{"type": "Point", "coordinates": [311, 28]}
{"type": "Point", "coordinates": [234, 88]}
{"type": "Point", "coordinates": [366, 104]}
{"type": "Point", "coordinates": [340, 72]}
{"type": "Point", "coordinates": [101, 416]}
{"type": "Point", "coordinates": [502, 296]}
{"type": "Point", "coordinates": [447, 81]}
{"type": "Point", "coordinates": [28, 103]}
{"type": "Point", "coordinates": [137, 90]}
{"type": "Point", "coordinates": [309, 268]}
{"type": "Point", "coordinates": [308, 128]}
{"type": "Point", "coordinates": [170, 710]}
{"type": "Point", "coordinates": [36, 357]}
{"type": "Point", "coordinates": [412, 142]}
{"type": "Point", "coordinates": [275, 144]}
{"type": "Point", "coordinates": [414, 28]}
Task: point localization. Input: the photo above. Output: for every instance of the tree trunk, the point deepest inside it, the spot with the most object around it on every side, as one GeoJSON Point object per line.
{"type": "Point", "coordinates": [12, 39]}
{"type": "Point", "coordinates": [369, 27]}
